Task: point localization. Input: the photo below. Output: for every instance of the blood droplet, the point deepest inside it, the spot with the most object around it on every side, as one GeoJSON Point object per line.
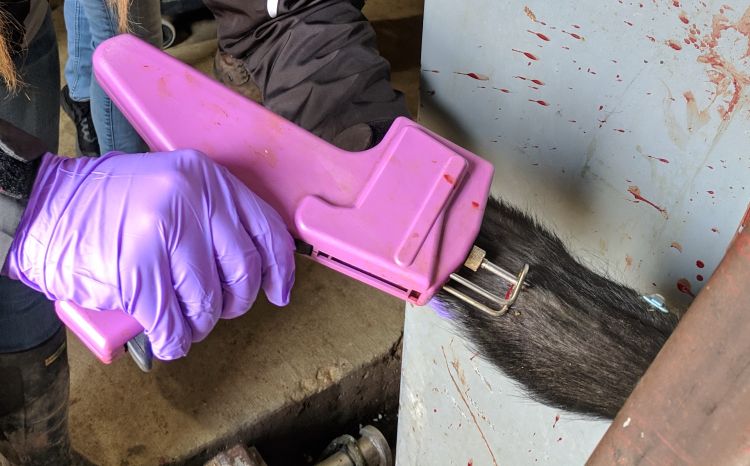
{"type": "Point", "coordinates": [699, 264]}
{"type": "Point", "coordinates": [449, 179]}
{"type": "Point", "coordinates": [674, 45]}
{"type": "Point", "coordinates": [509, 292]}
{"type": "Point", "coordinates": [539, 35]}
{"type": "Point", "coordinates": [699, 277]}
{"type": "Point", "coordinates": [527, 54]}
{"type": "Point", "coordinates": [684, 286]}
{"type": "Point", "coordinates": [475, 204]}
{"type": "Point", "coordinates": [540, 102]}
{"type": "Point", "coordinates": [684, 18]}
{"type": "Point", "coordinates": [477, 76]}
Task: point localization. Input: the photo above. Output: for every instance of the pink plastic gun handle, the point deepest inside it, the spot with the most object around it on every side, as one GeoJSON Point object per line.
{"type": "Point", "coordinates": [401, 216]}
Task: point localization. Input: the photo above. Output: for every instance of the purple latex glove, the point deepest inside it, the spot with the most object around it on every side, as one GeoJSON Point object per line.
{"type": "Point", "coordinates": [171, 238]}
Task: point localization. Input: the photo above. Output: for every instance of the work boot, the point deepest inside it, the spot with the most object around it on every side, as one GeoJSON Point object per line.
{"type": "Point", "coordinates": [80, 113]}
{"type": "Point", "coordinates": [34, 405]}
{"type": "Point", "coordinates": [232, 73]}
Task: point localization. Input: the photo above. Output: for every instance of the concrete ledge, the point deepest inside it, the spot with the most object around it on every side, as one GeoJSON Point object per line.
{"type": "Point", "coordinates": [330, 356]}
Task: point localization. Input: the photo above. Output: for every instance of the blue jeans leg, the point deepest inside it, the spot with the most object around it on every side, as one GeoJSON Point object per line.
{"type": "Point", "coordinates": [27, 318]}
{"type": "Point", "coordinates": [78, 66]}
{"type": "Point", "coordinates": [113, 130]}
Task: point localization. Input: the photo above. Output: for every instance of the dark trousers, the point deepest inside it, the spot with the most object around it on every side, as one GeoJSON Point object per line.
{"type": "Point", "coordinates": [316, 61]}
{"type": "Point", "coordinates": [27, 318]}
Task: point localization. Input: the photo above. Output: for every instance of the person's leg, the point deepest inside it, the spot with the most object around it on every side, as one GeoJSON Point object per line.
{"type": "Point", "coordinates": [33, 361]}
{"type": "Point", "coordinates": [78, 66]}
{"type": "Point", "coordinates": [316, 64]}
{"type": "Point", "coordinates": [76, 94]}
{"type": "Point", "coordinates": [113, 130]}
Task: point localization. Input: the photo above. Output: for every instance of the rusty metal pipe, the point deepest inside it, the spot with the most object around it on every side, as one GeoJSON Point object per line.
{"type": "Point", "coordinates": [693, 404]}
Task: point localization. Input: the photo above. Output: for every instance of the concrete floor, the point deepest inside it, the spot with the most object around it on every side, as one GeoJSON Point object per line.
{"type": "Point", "coordinates": [330, 358]}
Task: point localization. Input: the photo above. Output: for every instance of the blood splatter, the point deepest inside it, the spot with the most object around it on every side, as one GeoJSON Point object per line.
{"type": "Point", "coordinates": [684, 18]}
{"type": "Point", "coordinates": [557, 418]}
{"type": "Point", "coordinates": [601, 107]}
{"type": "Point", "coordinates": [715, 230]}
{"type": "Point", "coordinates": [699, 264]}
{"type": "Point", "coordinates": [529, 13]}
{"type": "Point", "coordinates": [674, 45]}
{"type": "Point", "coordinates": [573, 35]}
{"type": "Point", "coordinates": [676, 245]}
{"type": "Point", "coordinates": [651, 38]}
{"type": "Point", "coordinates": [699, 277]}
{"type": "Point", "coordinates": [432, 71]}
{"type": "Point", "coordinates": [535, 81]}
{"type": "Point", "coordinates": [684, 286]}
{"type": "Point", "coordinates": [572, 121]}
{"type": "Point", "coordinates": [711, 192]}
{"type": "Point", "coordinates": [540, 102]}
{"type": "Point", "coordinates": [509, 292]}
{"type": "Point", "coordinates": [636, 192]}
{"type": "Point", "coordinates": [504, 90]}
{"type": "Point", "coordinates": [449, 178]}
{"type": "Point", "coordinates": [628, 23]}
{"type": "Point", "coordinates": [528, 55]}
{"type": "Point", "coordinates": [619, 130]}
{"type": "Point", "coordinates": [477, 76]}
{"type": "Point", "coordinates": [662, 160]}
{"type": "Point", "coordinates": [676, 3]}
{"type": "Point", "coordinates": [475, 204]}
{"type": "Point", "coordinates": [539, 35]}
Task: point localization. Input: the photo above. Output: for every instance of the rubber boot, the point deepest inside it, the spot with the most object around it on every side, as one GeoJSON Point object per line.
{"type": "Point", "coordinates": [34, 388]}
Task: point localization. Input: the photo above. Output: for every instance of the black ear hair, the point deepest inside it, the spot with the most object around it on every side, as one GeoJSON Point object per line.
{"type": "Point", "coordinates": [575, 339]}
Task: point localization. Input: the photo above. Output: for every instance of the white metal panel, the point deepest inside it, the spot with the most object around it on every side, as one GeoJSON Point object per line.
{"type": "Point", "coordinates": [623, 126]}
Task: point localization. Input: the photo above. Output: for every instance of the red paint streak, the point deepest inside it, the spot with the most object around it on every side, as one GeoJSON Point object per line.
{"type": "Point", "coordinates": [684, 286]}
{"type": "Point", "coordinates": [676, 245]}
{"type": "Point", "coordinates": [477, 76]}
{"type": "Point", "coordinates": [684, 18]}
{"type": "Point", "coordinates": [449, 179]}
{"type": "Point", "coordinates": [651, 38]}
{"type": "Point", "coordinates": [636, 192]}
{"type": "Point", "coordinates": [674, 45]}
{"type": "Point", "coordinates": [539, 35]}
{"type": "Point", "coordinates": [557, 418]}
{"type": "Point", "coordinates": [475, 204]}
{"type": "Point", "coordinates": [509, 292]}
{"type": "Point", "coordinates": [699, 264]}
{"type": "Point", "coordinates": [540, 102]}
{"type": "Point", "coordinates": [573, 35]}
{"type": "Point", "coordinates": [628, 23]}
{"type": "Point", "coordinates": [699, 277]}
{"type": "Point", "coordinates": [619, 130]}
{"type": "Point", "coordinates": [527, 54]}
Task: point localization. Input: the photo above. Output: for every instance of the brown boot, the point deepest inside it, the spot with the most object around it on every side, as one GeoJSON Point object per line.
{"type": "Point", "coordinates": [232, 73]}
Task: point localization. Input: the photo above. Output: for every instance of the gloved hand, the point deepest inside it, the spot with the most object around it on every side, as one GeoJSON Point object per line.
{"type": "Point", "coordinates": [171, 238]}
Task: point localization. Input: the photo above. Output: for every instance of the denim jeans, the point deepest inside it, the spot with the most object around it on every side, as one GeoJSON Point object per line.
{"type": "Point", "coordinates": [89, 23]}
{"type": "Point", "coordinates": [27, 318]}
